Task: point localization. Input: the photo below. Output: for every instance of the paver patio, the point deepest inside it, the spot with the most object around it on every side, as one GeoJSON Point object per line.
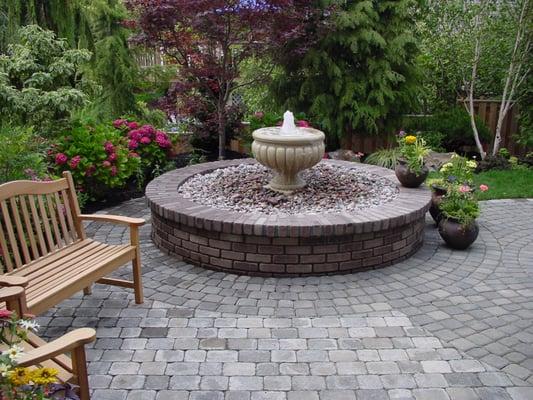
{"type": "Point", "coordinates": [442, 325]}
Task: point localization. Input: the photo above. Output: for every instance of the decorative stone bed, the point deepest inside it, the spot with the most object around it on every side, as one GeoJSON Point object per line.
{"type": "Point", "coordinates": [285, 244]}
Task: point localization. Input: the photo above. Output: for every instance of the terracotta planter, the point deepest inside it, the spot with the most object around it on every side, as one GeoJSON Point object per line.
{"type": "Point", "coordinates": [437, 192]}
{"type": "Point", "coordinates": [456, 235]}
{"type": "Point", "coordinates": [410, 178]}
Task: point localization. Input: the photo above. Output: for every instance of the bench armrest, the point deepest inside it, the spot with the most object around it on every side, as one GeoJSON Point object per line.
{"type": "Point", "coordinates": [8, 281]}
{"type": "Point", "coordinates": [65, 344]}
{"type": "Point", "coordinates": [14, 298]}
{"type": "Point", "coordinates": [114, 219]}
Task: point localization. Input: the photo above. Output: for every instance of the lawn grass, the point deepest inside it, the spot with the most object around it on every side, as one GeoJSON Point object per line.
{"type": "Point", "coordinates": [507, 184]}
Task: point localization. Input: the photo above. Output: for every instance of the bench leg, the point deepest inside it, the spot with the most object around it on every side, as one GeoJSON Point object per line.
{"type": "Point", "coordinates": [79, 364]}
{"type": "Point", "coordinates": [136, 266]}
{"type": "Point", "coordinates": [88, 290]}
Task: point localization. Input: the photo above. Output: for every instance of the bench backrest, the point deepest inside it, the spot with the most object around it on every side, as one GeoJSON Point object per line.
{"type": "Point", "coordinates": [37, 219]}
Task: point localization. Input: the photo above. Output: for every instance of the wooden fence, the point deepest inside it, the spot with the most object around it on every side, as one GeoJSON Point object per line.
{"type": "Point", "coordinates": [487, 110]}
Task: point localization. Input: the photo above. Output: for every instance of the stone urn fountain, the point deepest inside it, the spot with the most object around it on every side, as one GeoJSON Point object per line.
{"type": "Point", "coordinates": [288, 150]}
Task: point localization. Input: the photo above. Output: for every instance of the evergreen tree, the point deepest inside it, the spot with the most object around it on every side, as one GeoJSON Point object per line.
{"type": "Point", "coordinates": [85, 24]}
{"type": "Point", "coordinates": [360, 75]}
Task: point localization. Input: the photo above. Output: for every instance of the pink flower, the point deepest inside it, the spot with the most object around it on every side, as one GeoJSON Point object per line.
{"type": "Point", "coordinates": [136, 134]}
{"type": "Point", "coordinates": [108, 147]}
{"type": "Point", "coordinates": [112, 157]}
{"type": "Point", "coordinates": [114, 171]}
{"type": "Point", "coordinates": [148, 131]}
{"type": "Point", "coordinates": [303, 124]}
{"type": "Point", "coordinates": [61, 159]}
{"type": "Point", "coordinates": [161, 139]}
{"type": "Point", "coordinates": [464, 189]}
{"type": "Point", "coordinates": [483, 188]}
{"type": "Point", "coordinates": [133, 144]}
{"type": "Point", "coordinates": [133, 154]}
{"type": "Point", "coordinates": [90, 170]}
{"type": "Point", "coordinates": [146, 140]}
{"type": "Point", "coordinates": [119, 123]}
{"type": "Point", "coordinates": [259, 114]}
{"type": "Point", "coordinates": [132, 125]}
{"type": "Point", "coordinates": [75, 161]}
{"type": "Point", "coordinates": [106, 164]}
{"type": "Point", "coordinates": [4, 314]}
{"type": "Point", "coordinates": [401, 133]}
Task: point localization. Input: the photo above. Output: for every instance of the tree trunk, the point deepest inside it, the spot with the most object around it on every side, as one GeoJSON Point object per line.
{"type": "Point", "coordinates": [221, 133]}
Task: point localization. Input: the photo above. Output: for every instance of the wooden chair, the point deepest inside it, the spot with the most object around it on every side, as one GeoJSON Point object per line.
{"type": "Point", "coordinates": [44, 247]}
{"type": "Point", "coordinates": [38, 353]}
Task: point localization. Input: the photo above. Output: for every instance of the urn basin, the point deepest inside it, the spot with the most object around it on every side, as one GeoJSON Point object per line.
{"type": "Point", "coordinates": [287, 154]}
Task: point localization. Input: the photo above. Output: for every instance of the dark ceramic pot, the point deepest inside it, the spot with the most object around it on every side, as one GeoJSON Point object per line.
{"type": "Point", "coordinates": [456, 235]}
{"type": "Point", "coordinates": [409, 178]}
{"type": "Point", "coordinates": [437, 192]}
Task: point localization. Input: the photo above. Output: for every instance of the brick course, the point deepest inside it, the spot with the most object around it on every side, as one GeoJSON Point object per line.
{"type": "Point", "coordinates": [255, 244]}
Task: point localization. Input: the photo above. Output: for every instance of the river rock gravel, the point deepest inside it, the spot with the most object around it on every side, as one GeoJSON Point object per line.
{"type": "Point", "coordinates": [330, 189]}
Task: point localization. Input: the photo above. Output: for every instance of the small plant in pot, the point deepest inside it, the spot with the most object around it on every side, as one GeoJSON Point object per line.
{"type": "Point", "coordinates": [410, 169]}
{"type": "Point", "coordinates": [460, 208]}
{"type": "Point", "coordinates": [458, 171]}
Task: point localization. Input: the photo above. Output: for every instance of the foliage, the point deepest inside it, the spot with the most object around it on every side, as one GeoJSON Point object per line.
{"type": "Point", "coordinates": [98, 158]}
{"type": "Point", "coordinates": [151, 145]}
{"type": "Point", "coordinates": [413, 150]}
{"type": "Point", "coordinates": [433, 140]}
{"type": "Point", "coordinates": [361, 74]}
{"type": "Point", "coordinates": [209, 40]}
{"type": "Point", "coordinates": [494, 162]}
{"type": "Point", "coordinates": [94, 25]}
{"type": "Point", "coordinates": [386, 158]}
{"type": "Point", "coordinates": [39, 80]}
{"type": "Point", "coordinates": [22, 152]}
{"type": "Point", "coordinates": [23, 383]}
{"type": "Point", "coordinates": [453, 124]}
{"type": "Point", "coordinates": [460, 204]}
{"type": "Point", "coordinates": [459, 170]}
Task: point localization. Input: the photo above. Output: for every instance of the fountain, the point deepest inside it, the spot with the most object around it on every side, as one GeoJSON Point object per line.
{"type": "Point", "coordinates": [288, 150]}
{"type": "Point", "coordinates": [298, 216]}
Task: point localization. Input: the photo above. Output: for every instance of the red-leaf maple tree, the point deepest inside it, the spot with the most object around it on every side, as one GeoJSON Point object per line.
{"type": "Point", "coordinates": [209, 39]}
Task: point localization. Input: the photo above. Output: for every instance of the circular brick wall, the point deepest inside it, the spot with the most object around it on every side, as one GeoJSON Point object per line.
{"type": "Point", "coordinates": [270, 245]}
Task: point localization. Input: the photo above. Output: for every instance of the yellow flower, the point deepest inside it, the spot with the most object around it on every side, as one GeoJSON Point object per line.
{"type": "Point", "coordinates": [44, 376]}
{"type": "Point", "coordinates": [410, 139]}
{"type": "Point", "coordinates": [20, 376]}
{"type": "Point", "coordinates": [471, 164]}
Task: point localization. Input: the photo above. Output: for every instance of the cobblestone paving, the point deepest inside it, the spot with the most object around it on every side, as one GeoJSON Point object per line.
{"type": "Point", "coordinates": [442, 325]}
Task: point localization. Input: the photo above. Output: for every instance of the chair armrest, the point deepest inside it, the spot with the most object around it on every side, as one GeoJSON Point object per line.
{"type": "Point", "coordinates": [7, 281]}
{"type": "Point", "coordinates": [114, 219]}
{"type": "Point", "coordinates": [65, 344]}
{"type": "Point", "coordinates": [11, 293]}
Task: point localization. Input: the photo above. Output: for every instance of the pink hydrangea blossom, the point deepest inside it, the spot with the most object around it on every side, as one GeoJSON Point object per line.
{"type": "Point", "coordinates": [109, 148]}
{"type": "Point", "coordinates": [106, 164]}
{"type": "Point", "coordinates": [61, 159]}
{"type": "Point", "coordinates": [136, 134]}
{"type": "Point", "coordinates": [119, 123]}
{"type": "Point", "coordinates": [114, 171]}
{"type": "Point", "coordinates": [75, 161]}
{"type": "Point", "coordinates": [90, 170]}
{"type": "Point", "coordinates": [162, 140]}
{"type": "Point", "coordinates": [132, 125]}
{"type": "Point", "coordinates": [146, 140]}
{"type": "Point", "coordinates": [483, 188]}
{"type": "Point", "coordinates": [133, 144]}
{"type": "Point", "coordinates": [112, 157]}
{"type": "Point", "coordinates": [148, 131]}
{"type": "Point", "coordinates": [303, 124]}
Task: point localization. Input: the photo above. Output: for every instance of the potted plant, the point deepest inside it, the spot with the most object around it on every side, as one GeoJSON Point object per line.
{"type": "Point", "coordinates": [460, 208]}
{"type": "Point", "coordinates": [410, 169]}
{"type": "Point", "coordinates": [458, 171]}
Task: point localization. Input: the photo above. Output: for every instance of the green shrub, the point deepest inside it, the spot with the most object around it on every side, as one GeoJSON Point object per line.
{"type": "Point", "coordinates": [386, 158]}
{"type": "Point", "coordinates": [22, 154]}
{"type": "Point", "coordinates": [98, 158]}
{"type": "Point", "coordinates": [453, 124]}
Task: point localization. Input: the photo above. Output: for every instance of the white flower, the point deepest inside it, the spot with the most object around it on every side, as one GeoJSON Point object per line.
{"type": "Point", "coordinates": [29, 324]}
{"type": "Point", "coordinates": [14, 352]}
{"type": "Point", "coordinates": [4, 369]}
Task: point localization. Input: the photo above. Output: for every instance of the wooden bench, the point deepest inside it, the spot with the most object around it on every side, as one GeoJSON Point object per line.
{"type": "Point", "coordinates": [38, 353]}
{"type": "Point", "coordinates": [44, 247]}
